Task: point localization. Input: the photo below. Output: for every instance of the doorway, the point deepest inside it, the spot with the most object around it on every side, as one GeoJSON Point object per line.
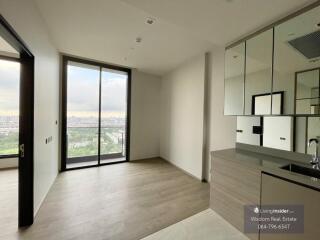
{"type": "Point", "coordinates": [95, 113]}
{"type": "Point", "coordinates": [16, 116]}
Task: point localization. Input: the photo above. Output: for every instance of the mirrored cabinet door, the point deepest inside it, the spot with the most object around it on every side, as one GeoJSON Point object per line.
{"type": "Point", "coordinates": [296, 59]}
{"type": "Point", "coordinates": [258, 74]}
{"type": "Point", "coordinates": [307, 92]}
{"type": "Point", "coordinates": [234, 80]}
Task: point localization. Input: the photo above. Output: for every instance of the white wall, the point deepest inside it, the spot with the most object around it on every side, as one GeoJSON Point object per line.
{"type": "Point", "coordinates": [182, 111]}
{"type": "Point", "coordinates": [27, 22]}
{"type": "Point", "coordinates": [145, 113]}
{"type": "Point", "coordinates": [221, 130]}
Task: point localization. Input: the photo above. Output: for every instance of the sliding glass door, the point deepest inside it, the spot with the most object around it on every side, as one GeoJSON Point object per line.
{"type": "Point", "coordinates": [82, 114]}
{"type": "Point", "coordinates": [95, 114]}
{"type": "Point", "coordinates": [113, 115]}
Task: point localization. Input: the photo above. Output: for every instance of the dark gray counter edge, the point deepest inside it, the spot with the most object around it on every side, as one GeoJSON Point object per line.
{"type": "Point", "coordinates": [298, 157]}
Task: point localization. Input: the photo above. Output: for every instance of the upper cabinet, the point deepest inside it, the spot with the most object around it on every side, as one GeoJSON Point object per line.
{"type": "Point", "coordinates": [276, 72]}
{"type": "Point", "coordinates": [234, 80]}
{"type": "Point", "coordinates": [296, 55]}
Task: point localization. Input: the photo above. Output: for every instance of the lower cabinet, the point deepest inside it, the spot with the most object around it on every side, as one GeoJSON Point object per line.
{"type": "Point", "coordinates": [233, 186]}
{"type": "Point", "coordinates": [276, 191]}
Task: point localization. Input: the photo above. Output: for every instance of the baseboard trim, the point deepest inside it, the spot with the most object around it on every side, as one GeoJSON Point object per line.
{"type": "Point", "coordinates": [147, 158]}
{"type": "Point", "coordinates": [186, 172]}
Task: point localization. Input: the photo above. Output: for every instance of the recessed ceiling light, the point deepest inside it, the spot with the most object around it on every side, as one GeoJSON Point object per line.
{"type": "Point", "coordinates": [138, 39]}
{"type": "Point", "coordinates": [150, 21]}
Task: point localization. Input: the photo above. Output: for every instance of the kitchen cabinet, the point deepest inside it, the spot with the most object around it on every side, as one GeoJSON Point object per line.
{"type": "Point", "coordinates": [278, 191]}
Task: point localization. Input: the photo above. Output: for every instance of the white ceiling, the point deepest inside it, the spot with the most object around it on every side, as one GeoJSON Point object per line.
{"type": "Point", "coordinates": [106, 30]}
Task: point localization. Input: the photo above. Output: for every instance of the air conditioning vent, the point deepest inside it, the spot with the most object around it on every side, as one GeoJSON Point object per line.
{"type": "Point", "coordinates": [308, 45]}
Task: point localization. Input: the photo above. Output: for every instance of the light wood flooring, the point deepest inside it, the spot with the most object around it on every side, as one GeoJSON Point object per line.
{"type": "Point", "coordinates": [120, 201]}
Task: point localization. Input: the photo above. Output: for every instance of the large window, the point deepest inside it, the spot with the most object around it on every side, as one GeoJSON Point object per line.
{"type": "Point", "coordinates": [96, 118]}
{"type": "Point", "coordinates": [9, 108]}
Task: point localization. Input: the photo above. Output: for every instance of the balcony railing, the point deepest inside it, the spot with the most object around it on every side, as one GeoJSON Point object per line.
{"type": "Point", "coordinates": [82, 143]}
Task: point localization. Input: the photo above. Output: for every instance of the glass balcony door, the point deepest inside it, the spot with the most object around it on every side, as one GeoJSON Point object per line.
{"type": "Point", "coordinates": [95, 100]}
{"type": "Point", "coordinates": [83, 83]}
{"type": "Point", "coordinates": [113, 115]}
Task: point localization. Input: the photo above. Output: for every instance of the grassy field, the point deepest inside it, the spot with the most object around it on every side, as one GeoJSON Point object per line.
{"type": "Point", "coordinates": [9, 144]}
{"type": "Point", "coordinates": [84, 141]}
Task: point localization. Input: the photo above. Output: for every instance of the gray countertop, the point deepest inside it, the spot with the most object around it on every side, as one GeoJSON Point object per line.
{"type": "Point", "coordinates": [268, 164]}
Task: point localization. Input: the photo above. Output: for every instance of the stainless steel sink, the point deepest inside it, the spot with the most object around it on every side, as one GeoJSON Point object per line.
{"type": "Point", "coordinates": [302, 170]}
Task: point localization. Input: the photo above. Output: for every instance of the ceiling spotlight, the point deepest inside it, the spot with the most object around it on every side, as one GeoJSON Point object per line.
{"type": "Point", "coordinates": [150, 21]}
{"type": "Point", "coordinates": [138, 39]}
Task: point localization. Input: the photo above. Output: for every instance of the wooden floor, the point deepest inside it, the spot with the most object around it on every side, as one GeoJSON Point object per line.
{"type": "Point", "coordinates": [8, 202]}
{"type": "Point", "coordinates": [120, 201]}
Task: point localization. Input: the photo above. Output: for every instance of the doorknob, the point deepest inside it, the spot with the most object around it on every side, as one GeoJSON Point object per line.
{"type": "Point", "coordinates": [21, 148]}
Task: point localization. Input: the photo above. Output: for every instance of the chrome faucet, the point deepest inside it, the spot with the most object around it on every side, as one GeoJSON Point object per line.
{"type": "Point", "coordinates": [315, 158]}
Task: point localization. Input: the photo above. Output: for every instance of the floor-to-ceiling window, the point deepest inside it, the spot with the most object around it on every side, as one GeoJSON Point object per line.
{"type": "Point", "coordinates": [95, 113]}
{"type": "Point", "coordinates": [9, 107]}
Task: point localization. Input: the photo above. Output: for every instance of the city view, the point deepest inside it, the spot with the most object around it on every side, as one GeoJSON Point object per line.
{"type": "Point", "coordinates": [9, 107]}
{"type": "Point", "coordinates": [82, 136]}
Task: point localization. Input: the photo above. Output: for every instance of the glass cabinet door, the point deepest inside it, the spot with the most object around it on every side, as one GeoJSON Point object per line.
{"type": "Point", "coordinates": [234, 80]}
{"type": "Point", "coordinates": [258, 75]}
{"type": "Point", "coordinates": [296, 51]}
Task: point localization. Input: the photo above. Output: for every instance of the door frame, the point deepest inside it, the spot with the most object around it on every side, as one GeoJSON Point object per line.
{"type": "Point", "coordinates": [64, 80]}
{"type": "Point", "coordinates": [26, 124]}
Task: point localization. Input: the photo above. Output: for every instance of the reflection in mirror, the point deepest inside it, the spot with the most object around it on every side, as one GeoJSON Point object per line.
{"type": "Point", "coordinates": [296, 50]}
{"type": "Point", "coordinates": [306, 128]}
{"type": "Point", "coordinates": [261, 104]}
{"type": "Point", "coordinates": [259, 73]}
{"type": "Point", "coordinates": [307, 92]}
{"type": "Point", "coordinates": [234, 80]}
{"type": "Point", "coordinates": [284, 133]}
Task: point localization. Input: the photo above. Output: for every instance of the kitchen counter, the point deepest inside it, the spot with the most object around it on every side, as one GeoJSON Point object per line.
{"type": "Point", "coordinates": [268, 164]}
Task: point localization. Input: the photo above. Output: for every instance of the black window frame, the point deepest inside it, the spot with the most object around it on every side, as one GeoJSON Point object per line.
{"type": "Point", "coordinates": [64, 64]}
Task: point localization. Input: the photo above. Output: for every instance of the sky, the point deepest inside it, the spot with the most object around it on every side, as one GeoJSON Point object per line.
{"type": "Point", "coordinates": [83, 92]}
{"type": "Point", "coordinates": [9, 88]}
